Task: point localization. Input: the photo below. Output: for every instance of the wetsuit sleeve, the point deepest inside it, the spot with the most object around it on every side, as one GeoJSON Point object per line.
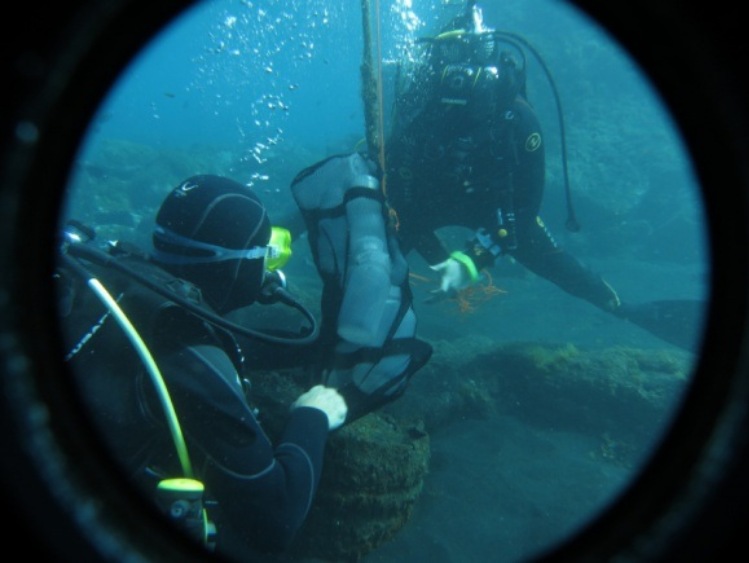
{"type": "Point", "coordinates": [263, 492]}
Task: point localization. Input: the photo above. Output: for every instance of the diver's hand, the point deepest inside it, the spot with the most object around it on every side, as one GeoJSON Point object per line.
{"type": "Point", "coordinates": [326, 399]}
{"type": "Point", "coordinates": [458, 272]}
{"type": "Point", "coordinates": [454, 276]}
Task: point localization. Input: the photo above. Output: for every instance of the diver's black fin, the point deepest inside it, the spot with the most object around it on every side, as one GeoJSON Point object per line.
{"type": "Point", "coordinates": [679, 322]}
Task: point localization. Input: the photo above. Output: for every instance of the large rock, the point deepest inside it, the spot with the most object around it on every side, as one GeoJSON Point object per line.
{"type": "Point", "coordinates": [373, 474]}
{"type": "Point", "coordinates": [628, 395]}
{"type": "Point", "coordinates": [375, 468]}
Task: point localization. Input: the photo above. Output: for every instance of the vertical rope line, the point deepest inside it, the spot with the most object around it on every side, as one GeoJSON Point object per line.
{"type": "Point", "coordinates": [372, 93]}
{"type": "Point", "coordinates": [369, 92]}
{"type": "Point", "coordinates": [380, 98]}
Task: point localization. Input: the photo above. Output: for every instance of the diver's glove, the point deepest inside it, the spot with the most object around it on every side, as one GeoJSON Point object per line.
{"type": "Point", "coordinates": [326, 399]}
{"type": "Point", "coordinates": [458, 272]}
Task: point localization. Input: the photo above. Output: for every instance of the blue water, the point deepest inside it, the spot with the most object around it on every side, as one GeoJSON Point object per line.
{"type": "Point", "coordinates": [258, 90]}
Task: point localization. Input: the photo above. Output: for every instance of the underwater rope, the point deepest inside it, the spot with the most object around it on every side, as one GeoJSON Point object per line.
{"type": "Point", "coordinates": [380, 100]}
{"type": "Point", "coordinates": [372, 94]}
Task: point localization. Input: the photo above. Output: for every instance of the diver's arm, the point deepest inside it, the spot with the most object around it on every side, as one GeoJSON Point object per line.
{"type": "Point", "coordinates": [264, 492]}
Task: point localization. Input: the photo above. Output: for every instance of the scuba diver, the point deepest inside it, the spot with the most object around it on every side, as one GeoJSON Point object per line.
{"type": "Point", "coordinates": [164, 377]}
{"type": "Point", "coordinates": [467, 149]}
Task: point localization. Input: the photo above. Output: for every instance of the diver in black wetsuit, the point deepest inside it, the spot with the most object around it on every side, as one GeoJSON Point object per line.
{"type": "Point", "coordinates": [211, 256]}
{"type": "Point", "coordinates": [467, 150]}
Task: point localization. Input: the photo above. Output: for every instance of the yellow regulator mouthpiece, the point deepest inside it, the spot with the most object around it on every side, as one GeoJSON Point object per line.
{"type": "Point", "coordinates": [279, 248]}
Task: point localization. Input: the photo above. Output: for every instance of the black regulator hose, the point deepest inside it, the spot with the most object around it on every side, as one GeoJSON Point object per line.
{"type": "Point", "coordinates": [276, 293]}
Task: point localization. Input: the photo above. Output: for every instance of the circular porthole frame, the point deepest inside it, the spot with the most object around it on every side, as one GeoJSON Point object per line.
{"type": "Point", "coordinates": [687, 503]}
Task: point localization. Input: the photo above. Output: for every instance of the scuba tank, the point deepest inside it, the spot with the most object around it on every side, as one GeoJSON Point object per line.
{"type": "Point", "coordinates": [343, 206]}
{"type": "Point", "coordinates": [362, 319]}
{"type": "Point", "coordinates": [367, 300]}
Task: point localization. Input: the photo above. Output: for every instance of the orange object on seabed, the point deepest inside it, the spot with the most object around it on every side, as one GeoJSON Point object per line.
{"type": "Point", "coordinates": [472, 296]}
{"type": "Point", "coordinates": [469, 298]}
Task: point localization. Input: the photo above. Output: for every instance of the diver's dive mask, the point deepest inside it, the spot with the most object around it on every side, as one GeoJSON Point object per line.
{"type": "Point", "coordinates": [276, 253]}
{"type": "Point", "coordinates": [471, 72]}
{"type": "Point", "coordinates": [279, 248]}
{"type": "Point", "coordinates": [462, 85]}
{"type": "Point", "coordinates": [464, 48]}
